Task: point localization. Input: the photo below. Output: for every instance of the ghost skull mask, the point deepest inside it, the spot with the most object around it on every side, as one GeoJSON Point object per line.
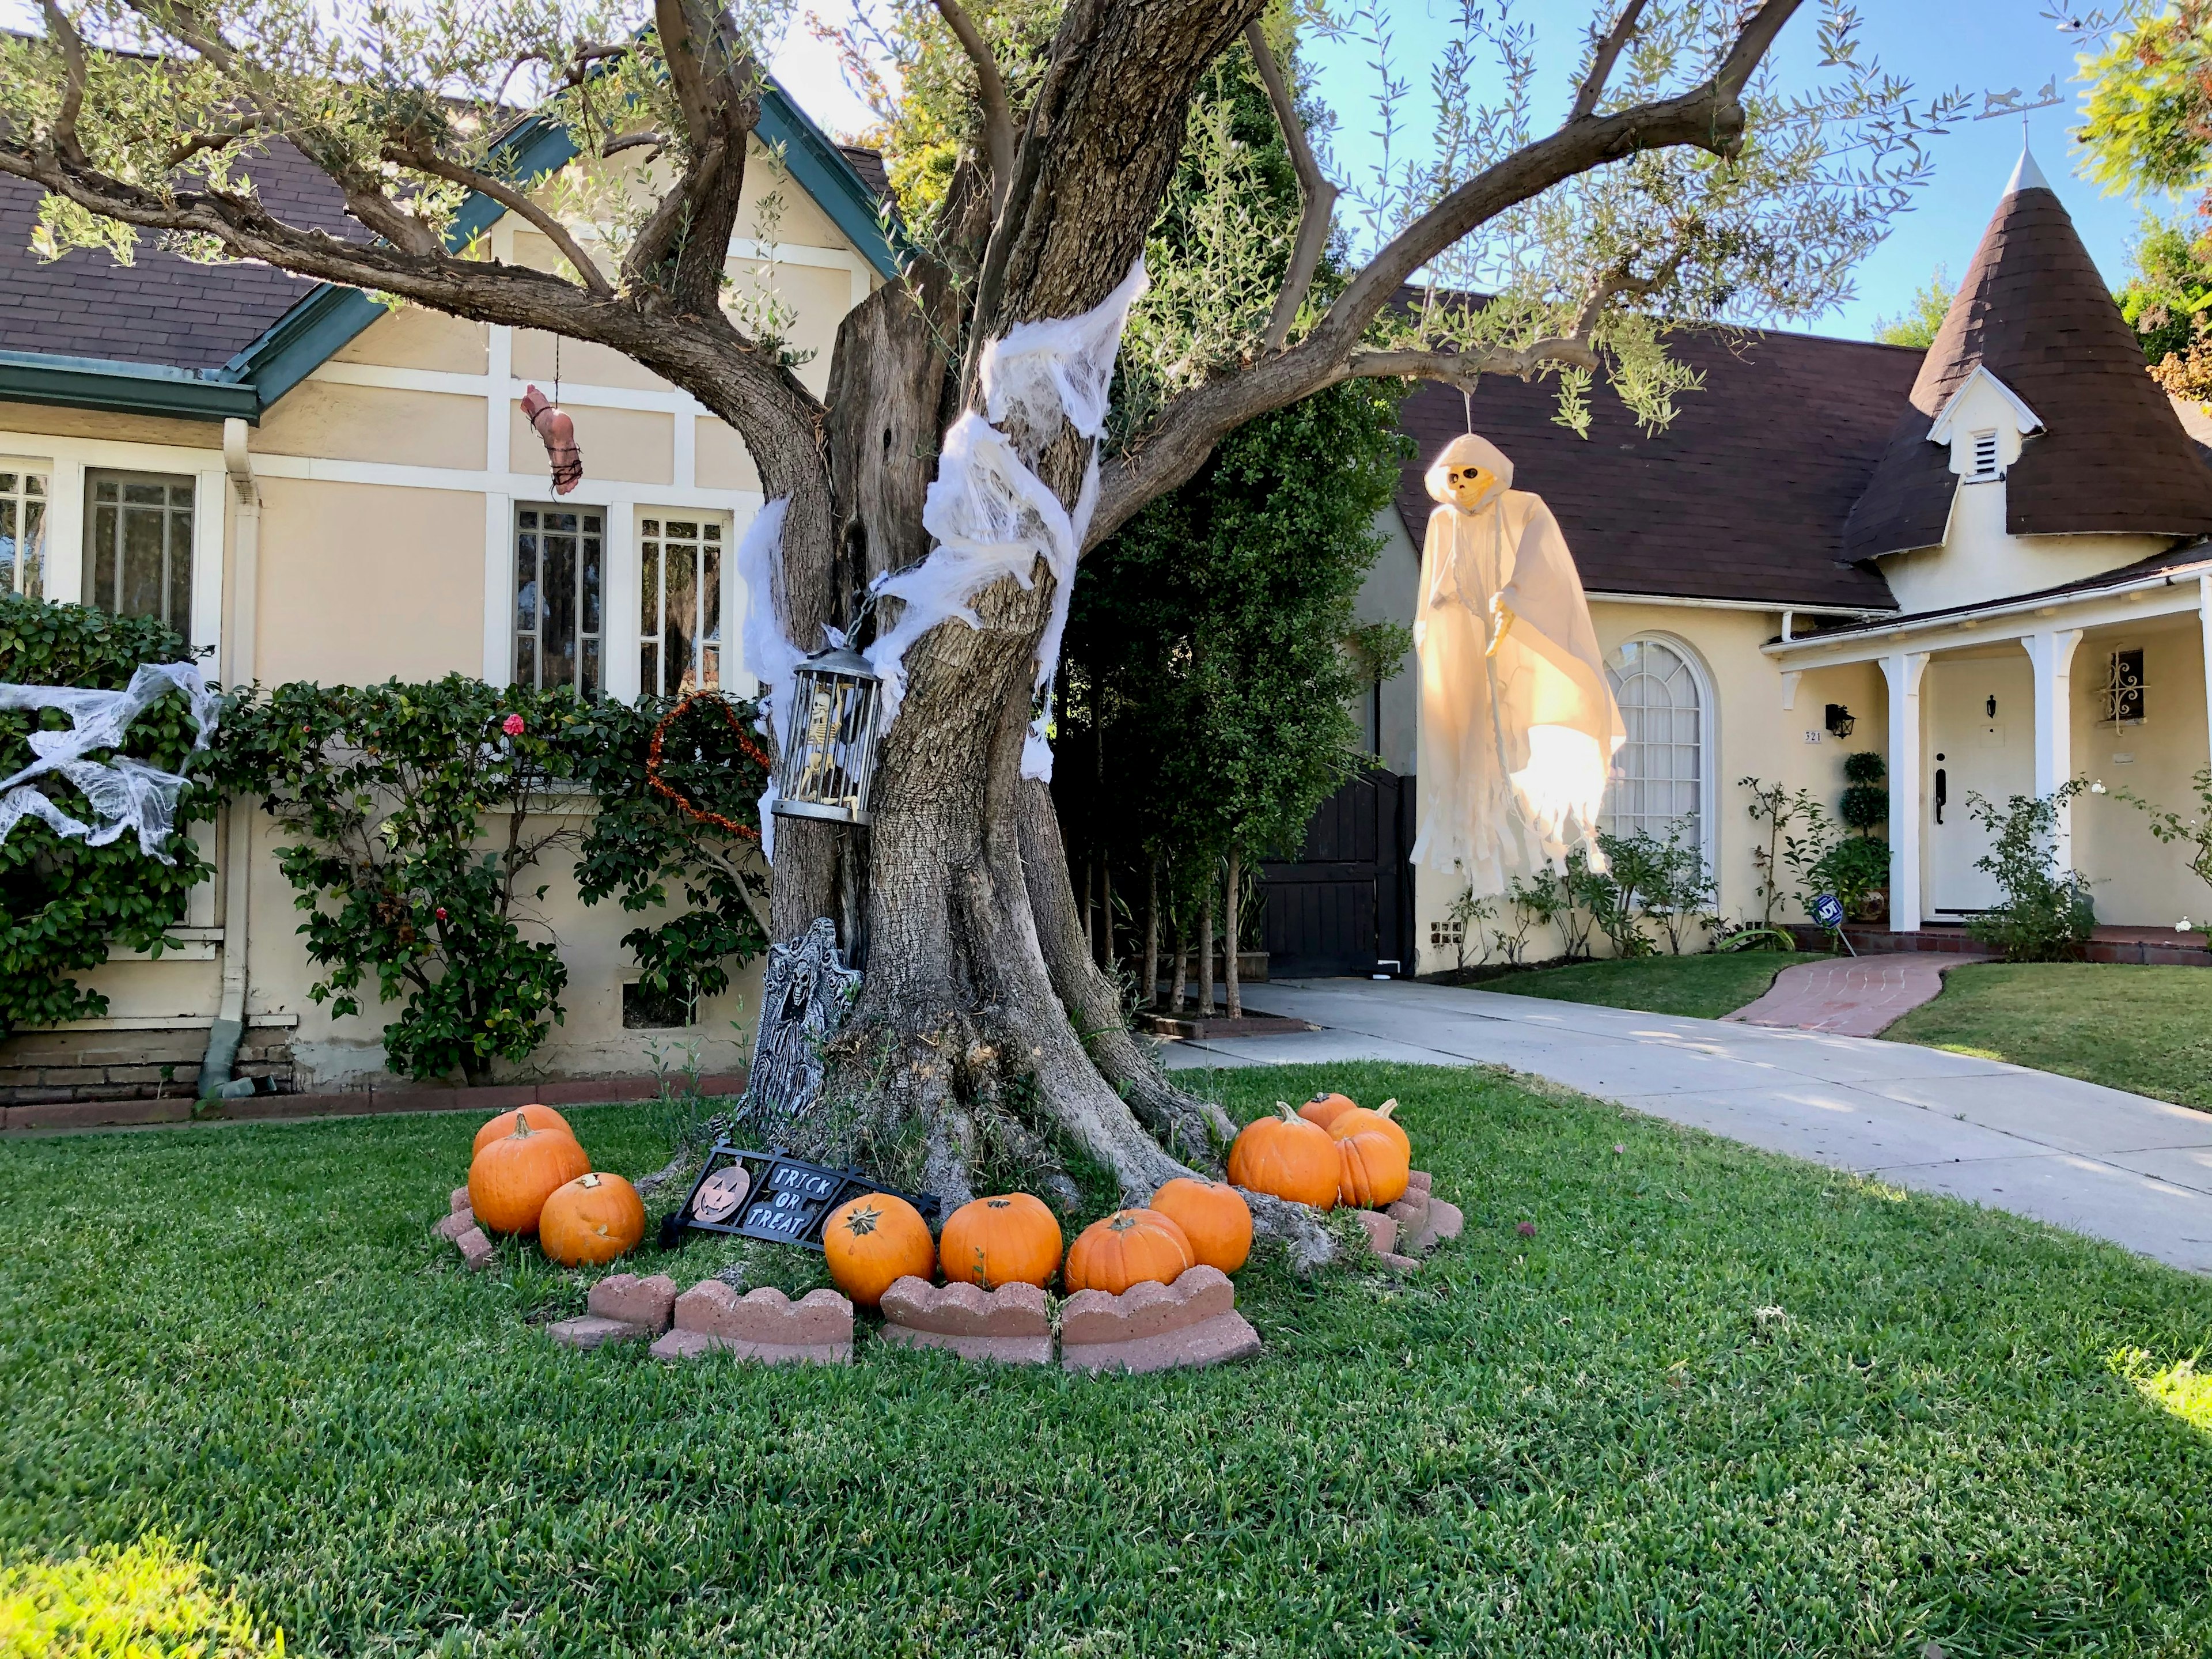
{"type": "Point", "coordinates": [1470, 475]}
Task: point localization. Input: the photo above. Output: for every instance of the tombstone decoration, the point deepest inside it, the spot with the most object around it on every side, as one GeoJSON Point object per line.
{"type": "Point", "coordinates": [806, 993]}
{"type": "Point", "coordinates": [771, 1196]}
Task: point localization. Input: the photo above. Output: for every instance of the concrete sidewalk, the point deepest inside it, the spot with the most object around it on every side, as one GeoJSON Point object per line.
{"type": "Point", "coordinates": [2114, 1165]}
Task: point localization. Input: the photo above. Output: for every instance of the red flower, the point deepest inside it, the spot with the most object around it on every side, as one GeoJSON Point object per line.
{"type": "Point", "coordinates": [512, 726]}
{"type": "Point", "coordinates": [442, 913]}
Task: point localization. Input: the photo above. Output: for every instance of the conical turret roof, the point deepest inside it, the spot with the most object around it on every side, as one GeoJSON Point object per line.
{"type": "Point", "coordinates": [2111, 457]}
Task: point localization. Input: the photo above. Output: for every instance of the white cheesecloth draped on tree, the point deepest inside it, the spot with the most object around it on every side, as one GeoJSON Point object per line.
{"type": "Point", "coordinates": [1516, 741]}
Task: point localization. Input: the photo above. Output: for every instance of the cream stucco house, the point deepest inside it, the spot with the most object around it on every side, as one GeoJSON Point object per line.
{"type": "Point", "coordinates": [1988, 561]}
{"type": "Point", "coordinates": [336, 492]}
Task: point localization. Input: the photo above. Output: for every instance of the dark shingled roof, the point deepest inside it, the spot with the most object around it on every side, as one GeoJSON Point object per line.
{"type": "Point", "coordinates": [162, 309]}
{"type": "Point", "coordinates": [869, 164]}
{"type": "Point", "coordinates": [2113, 456]}
{"type": "Point", "coordinates": [1743, 497]}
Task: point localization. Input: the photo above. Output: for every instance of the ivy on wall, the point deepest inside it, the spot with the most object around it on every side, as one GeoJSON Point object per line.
{"type": "Point", "coordinates": [63, 904]}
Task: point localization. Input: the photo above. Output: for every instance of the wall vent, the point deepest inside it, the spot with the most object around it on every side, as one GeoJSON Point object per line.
{"type": "Point", "coordinates": [1985, 455]}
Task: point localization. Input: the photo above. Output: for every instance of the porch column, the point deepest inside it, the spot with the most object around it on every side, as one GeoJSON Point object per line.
{"type": "Point", "coordinates": [2052, 654]}
{"type": "Point", "coordinates": [1903, 672]}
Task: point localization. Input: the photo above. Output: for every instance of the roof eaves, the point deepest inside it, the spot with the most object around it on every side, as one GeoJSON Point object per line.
{"type": "Point", "coordinates": [2025, 420]}
{"type": "Point", "coordinates": [119, 387]}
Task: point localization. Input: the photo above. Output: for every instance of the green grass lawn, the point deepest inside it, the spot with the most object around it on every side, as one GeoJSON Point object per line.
{"type": "Point", "coordinates": [1703, 987]}
{"type": "Point", "coordinates": [1719, 1403]}
{"type": "Point", "coordinates": [2145, 1029]}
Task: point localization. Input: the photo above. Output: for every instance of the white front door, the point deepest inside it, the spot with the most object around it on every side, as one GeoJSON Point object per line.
{"type": "Point", "coordinates": [1981, 740]}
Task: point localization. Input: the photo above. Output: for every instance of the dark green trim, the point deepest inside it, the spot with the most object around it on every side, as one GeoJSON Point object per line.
{"type": "Point", "coordinates": [329, 317]}
{"type": "Point", "coordinates": [100, 383]}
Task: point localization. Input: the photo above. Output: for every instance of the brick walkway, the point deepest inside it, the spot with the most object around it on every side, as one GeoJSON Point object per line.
{"type": "Point", "coordinates": [1851, 996]}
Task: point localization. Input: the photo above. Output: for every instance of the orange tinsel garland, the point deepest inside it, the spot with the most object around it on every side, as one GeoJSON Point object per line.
{"type": "Point", "coordinates": [684, 802]}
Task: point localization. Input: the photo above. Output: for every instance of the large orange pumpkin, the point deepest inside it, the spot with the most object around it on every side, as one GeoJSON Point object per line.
{"type": "Point", "coordinates": [1009, 1239]}
{"type": "Point", "coordinates": [539, 1117]}
{"type": "Point", "coordinates": [1288, 1158]}
{"type": "Point", "coordinates": [1213, 1216]}
{"type": "Point", "coordinates": [514, 1175]}
{"type": "Point", "coordinates": [595, 1218]}
{"type": "Point", "coordinates": [1129, 1247]}
{"type": "Point", "coordinates": [1359, 1120]}
{"type": "Point", "coordinates": [1325, 1109]}
{"type": "Point", "coordinates": [1371, 1169]}
{"type": "Point", "coordinates": [874, 1241]}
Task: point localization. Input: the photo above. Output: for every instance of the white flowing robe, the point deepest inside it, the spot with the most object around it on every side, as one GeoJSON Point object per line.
{"type": "Point", "coordinates": [1516, 746]}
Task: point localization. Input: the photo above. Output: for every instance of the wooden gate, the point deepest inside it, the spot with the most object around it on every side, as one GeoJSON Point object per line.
{"type": "Point", "coordinates": [1344, 905]}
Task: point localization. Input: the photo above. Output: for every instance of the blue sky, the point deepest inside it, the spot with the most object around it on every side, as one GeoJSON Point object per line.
{"type": "Point", "coordinates": [1981, 45]}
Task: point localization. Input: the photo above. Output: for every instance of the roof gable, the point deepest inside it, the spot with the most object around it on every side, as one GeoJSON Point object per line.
{"type": "Point", "coordinates": [169, 337]}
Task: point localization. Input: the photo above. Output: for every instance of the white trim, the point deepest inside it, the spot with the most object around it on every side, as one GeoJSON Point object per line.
{"type": "Point", "coordinates": [2025, 420]}
{"type": "Point", "coordinates": [1790, 678]}
{"type": "Point", "coordinates": [499, 589]}
{"type": "Point", "coordinates": [2204, 632]}
{"type": "Point", "coordinates": [1904, 670]}
{"type": "Point", "coordinates": [1769, 607]}
{"type": "Point", "coordinates": [164, 1023]}
{"type": "Point", "coordinates": [2051, 653]}
{"type": "Point", "coordinates": [592, 492]}
{"type": "Point", "coordinates": [1869, 644]}
{"type": "Point", "coordinates": [618, 602]}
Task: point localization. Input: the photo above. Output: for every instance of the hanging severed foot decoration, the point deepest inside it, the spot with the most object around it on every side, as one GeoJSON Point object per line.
{"type": "Point", "coordinates": [558, 434]}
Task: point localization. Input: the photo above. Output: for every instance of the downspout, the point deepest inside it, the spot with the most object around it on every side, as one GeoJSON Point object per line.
{"type": "Point", "coordinates": [229, 1028]}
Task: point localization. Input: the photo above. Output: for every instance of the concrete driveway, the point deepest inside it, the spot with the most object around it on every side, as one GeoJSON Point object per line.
{"type": "Point", "coordinates": [2113, 1165]}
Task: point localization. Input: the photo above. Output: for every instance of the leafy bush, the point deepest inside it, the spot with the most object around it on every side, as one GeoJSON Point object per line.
{"type": "Point", "coordinates": [1781, 811]}
{"type": "Point", "coordinates": [1470, 914]}
{"type": "Point", "coordinates": [1535, 901]}
{"type": "Point", "coordinates": [1661, 879]}
{"type": "Point", "coordinates": [422, 812]}
{"type": "Point", "coordinates": [1865, 805]}
{"type": "Point", "coordinates": [63, 904]}
{"type": "Point", "coordinates": [1591, 903]}
{"type": "Point", "coordinates": [1852, 868]}
{"type": "Point", "coordinates": [2046, 914]}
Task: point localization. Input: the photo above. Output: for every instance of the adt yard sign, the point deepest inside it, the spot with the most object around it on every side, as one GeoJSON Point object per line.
{"type": "Point", "coordinates": [1828, 910]}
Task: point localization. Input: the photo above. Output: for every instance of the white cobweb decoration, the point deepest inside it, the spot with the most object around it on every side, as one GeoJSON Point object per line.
{"type": "Point", "coordinates": [770, 657]}
{"type": "Point", "coordinates": [125, 795]}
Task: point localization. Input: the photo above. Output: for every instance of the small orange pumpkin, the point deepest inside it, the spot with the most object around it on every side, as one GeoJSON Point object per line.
{"type": "Point", "coordinates": [538, 1117]}
{"type": "Point", "coordinates": [1287, 1157]}
{"type": "Point", "coordinates": [1325, 1109]}
{"type": "Point", "coordinates": [1213, 1216]}
{"type": "Point", "coordinates": [1371, 1169]}
{"type": "Point", "coordinates": [1359, 1120]}
{"type": "Point", "coordinates": [595, 1218]}
{"type": "Point", "coordinates": [514, 1175]}
{"type": "Point", "coordinates": [1129, 1247]}
{"type": "Point", "coordinates": [1009, 1239]}
{"type": "Point", "coordinates": [874, 1241]}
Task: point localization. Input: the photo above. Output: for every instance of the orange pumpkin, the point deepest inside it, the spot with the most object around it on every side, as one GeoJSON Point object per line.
{"type": "Point", "coordinates": [1213, 1216]}
{"type": "Point", "coordinates": [595, 1218]}
{"type": "Point", "coordinates": [1011, 1239]}
{"type": "Point", "coordinates": [1288, 1158]}
{"type": "Point", "coordinates": [874, 1241]}
{"type": "Point", "coordinates": [1371, 1169]}
{"type": "Point", "coordinates": [1359, 1120]}
{"type": "Point", "coordinates": [1325, 1109]}
{"type": "Point", "coordinates": [514, 1175]}
{"type": "Point", "coordinates": [538, 1117]}
{"type": "Point", "coordinates": [1129, 1247]}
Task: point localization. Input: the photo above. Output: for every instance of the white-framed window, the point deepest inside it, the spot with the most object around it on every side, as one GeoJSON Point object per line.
{"type": "Point", "coordinates": [560, 559]}
{"type": "Point", "coordinates": [1659, 778]}
{"type": "Point", "coordinates": [138, 545]}
{"type": "Point", "coordinates": [679, 628]}
{"type": "Point", "coordinates": [23, 496]}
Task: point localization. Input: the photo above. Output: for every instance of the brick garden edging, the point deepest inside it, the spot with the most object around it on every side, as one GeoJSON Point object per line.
{"type": "Point", "coordinates": [1148, 1327]}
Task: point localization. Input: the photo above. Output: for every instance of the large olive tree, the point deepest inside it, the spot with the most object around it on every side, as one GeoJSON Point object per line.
{"type": "Point", "coordinates": [1680, 183]}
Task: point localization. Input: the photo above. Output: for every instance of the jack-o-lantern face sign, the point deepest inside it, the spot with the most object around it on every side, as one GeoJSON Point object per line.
{"type": "Point", "coordinates": [721, 1193]}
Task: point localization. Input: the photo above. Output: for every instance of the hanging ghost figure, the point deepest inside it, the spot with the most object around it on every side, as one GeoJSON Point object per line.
{"type": "Point", "coordinates": [1518, 725]}
{"type": "Point", "coordinates": [558, 434]}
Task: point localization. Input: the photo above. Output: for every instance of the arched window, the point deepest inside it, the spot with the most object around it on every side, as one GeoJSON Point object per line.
{"type": "Point", "coordinates": [1659, 775]}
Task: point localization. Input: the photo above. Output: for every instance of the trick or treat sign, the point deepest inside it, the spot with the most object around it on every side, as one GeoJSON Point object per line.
{"type": "Point", "coordinates": [771, 1197]}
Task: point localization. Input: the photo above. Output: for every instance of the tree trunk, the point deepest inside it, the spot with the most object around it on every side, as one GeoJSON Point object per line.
{"type": "Point", "coordinates": [1106, 910]}
{"type": "Point", "coordinates": [1205, 948]}
{"type": "Point", "coordinates": [1229, 897]}
{"type": "Point", "coordinates": [1150, 999]}
{"type": "Point", "coordinates": [1181, 976]}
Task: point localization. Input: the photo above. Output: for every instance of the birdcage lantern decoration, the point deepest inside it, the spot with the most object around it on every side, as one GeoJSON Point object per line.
{"type": "Point", "coordinates": [830, 752]}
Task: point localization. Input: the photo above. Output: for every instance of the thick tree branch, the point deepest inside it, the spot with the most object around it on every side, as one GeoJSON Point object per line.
{"type": "Point", "coordinates": [1710, 116]}
{"type": "Point", "coordinates": [201, 144]}
{"type": "Point", "coordinates": [516, 202]}
{"type": "Point", "coordinates": [991, 87]}
{"type": "Point", "coordinates": [75, 71]}
{"type": "Point", "coordinates": [1608, 54]}
{"type": "Point", "coordinates": [1317, 196]}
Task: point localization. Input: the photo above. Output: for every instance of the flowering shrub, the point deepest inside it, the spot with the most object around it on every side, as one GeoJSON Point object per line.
{"type": "Point", "coordinates": [424, 815]}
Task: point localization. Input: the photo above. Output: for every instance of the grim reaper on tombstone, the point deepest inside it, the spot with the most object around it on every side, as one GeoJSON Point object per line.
{"type": "Point", "coordinates": [1518, 725]}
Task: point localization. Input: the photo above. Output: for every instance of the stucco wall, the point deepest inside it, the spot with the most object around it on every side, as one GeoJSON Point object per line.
{"type": "Point", "coordinates": [2138, 880]}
